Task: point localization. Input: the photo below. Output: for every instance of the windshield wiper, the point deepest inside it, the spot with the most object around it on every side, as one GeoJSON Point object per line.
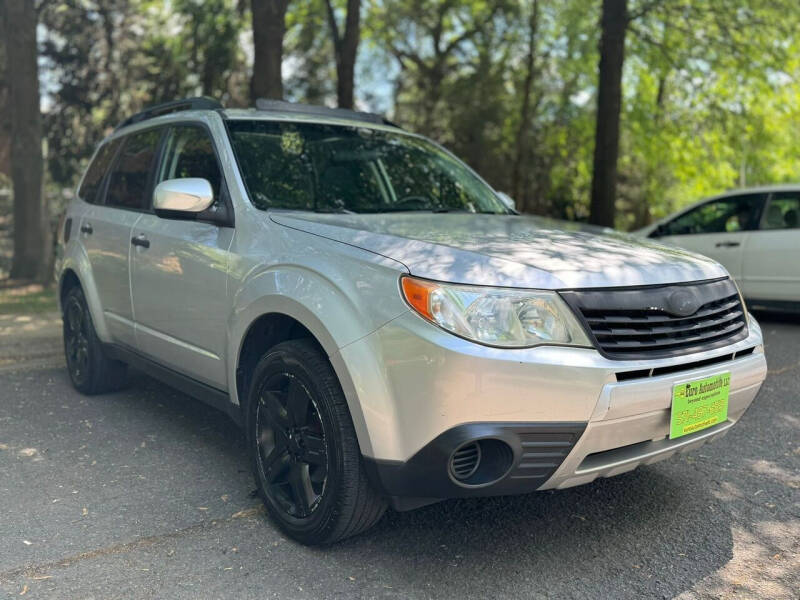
{"type": "Point", "coordinates": [464, 210]}
{"type": "Point", "coordinates": [333, 210]}
{"type": "Point", "coordinates": [434, 210]}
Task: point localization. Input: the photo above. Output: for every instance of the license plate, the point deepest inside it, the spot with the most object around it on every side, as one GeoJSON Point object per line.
{"type": "Point", "coordinates": [699, 404]}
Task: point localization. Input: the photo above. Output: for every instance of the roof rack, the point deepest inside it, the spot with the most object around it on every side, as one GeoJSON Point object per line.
{"type": "Point", "coordinates": [321, 111]}
{"type": "Point", "coordinates": [196, 103]}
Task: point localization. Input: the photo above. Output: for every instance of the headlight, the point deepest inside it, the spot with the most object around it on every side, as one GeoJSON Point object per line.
{"type": "Point", "coordinates": [501, 317]}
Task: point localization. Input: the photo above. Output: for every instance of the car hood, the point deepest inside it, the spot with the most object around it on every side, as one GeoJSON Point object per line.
{"type": "Point", "coordinates": [508, 250]}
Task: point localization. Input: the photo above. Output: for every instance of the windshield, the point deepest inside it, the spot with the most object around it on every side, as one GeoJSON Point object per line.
{"type": "Point", "coordinates": [336, 168]}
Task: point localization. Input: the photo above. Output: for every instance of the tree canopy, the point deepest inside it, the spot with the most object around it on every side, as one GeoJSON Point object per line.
{"type": "Point", "coordinates": [709, 100]}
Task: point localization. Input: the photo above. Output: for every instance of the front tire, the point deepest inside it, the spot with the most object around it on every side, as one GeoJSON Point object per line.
{"type": "Point", "coordinates": [303, 447]}
{"type": "Point", "coordinates": [91, 371]}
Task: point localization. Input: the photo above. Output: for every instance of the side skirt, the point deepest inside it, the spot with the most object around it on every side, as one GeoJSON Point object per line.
{"type": "Point", "coordinates": [207, 394]}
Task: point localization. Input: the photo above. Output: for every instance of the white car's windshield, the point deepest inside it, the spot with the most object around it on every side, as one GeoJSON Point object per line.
{"type": "Point", "coordinates": [336, 168]}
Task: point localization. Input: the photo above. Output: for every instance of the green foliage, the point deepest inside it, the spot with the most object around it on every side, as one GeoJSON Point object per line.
{"type": "Point", "coordinates": [106, 59]}
{"type": "Point", "coordinates": [711, 88]}
{"type": "Point", "coordinates": [310, 68]}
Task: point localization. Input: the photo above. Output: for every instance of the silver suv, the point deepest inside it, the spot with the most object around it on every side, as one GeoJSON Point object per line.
{"type": "Point", "coordinates": [386, 330]}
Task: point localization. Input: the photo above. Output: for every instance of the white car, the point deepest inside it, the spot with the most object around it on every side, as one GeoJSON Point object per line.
{"type": "Point", "coordinates": [754, 233]}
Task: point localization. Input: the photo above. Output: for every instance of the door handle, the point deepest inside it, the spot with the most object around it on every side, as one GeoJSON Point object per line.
{"type": "Point", "coordinates": [727, 244]}
{"type": "Point", "coordinates": [87, 228]}
{"type": "Point", "coordinates": [140, 240]}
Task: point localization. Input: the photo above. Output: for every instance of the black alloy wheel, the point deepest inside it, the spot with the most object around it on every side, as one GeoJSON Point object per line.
{"type": "Point", "coordinates": [76, 340]}
{"type": "Point", "coordinates": [304, 449]}
{"type": "Point", "coordinates": [292, 457]}
{"type": "Point", "coordinates": [89, 368]}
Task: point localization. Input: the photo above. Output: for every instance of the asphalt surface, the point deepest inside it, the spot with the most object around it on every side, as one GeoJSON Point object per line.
{"type": "Point", "coordinates": [146, 493]}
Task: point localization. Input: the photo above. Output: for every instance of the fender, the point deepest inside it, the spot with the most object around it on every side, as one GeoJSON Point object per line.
{"type": "Point", "coordinates": [331, 316]}
{"type": "Point", "coordinates": [77, 261]}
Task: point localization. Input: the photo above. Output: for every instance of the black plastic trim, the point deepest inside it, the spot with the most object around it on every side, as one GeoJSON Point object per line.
{"type": "Point", "coordinates": [654, 298]}
{"type": "Point", "coordinates": [666, 370]}
{"type": "Point", "coordinates": [207, 394]}
{"type": "Point", "coordinates": [266, 105]}
{"type": "Point", "coordinates": [196, 103]}
{"type": "Point", "coordinates": [538, 450]}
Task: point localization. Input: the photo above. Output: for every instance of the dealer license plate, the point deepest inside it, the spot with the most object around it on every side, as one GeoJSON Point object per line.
{"type": "Point", "coordinates": [699, 404]}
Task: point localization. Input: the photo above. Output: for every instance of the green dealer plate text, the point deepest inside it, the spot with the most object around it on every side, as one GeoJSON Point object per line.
{"type": "Point", "coordinates": [699, 404]}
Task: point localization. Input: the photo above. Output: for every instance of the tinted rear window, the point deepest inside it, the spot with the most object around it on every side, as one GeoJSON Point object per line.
{"type": "Point", "coordinates": [783, 211]}
{"type": "Point", "coordinates": [129, 184]}
{"type": "Point", "coordinates": [93, 180]}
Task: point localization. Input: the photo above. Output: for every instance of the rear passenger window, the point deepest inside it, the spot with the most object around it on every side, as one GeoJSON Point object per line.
{"type": "Point", "coordinates": [128, 187]}
{"type": "Point", "coordinates": [93, 180]}
{"type": "Point", "coordinates": [783, 211]}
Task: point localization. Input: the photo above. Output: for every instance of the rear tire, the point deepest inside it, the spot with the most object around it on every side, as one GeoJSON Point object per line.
{"type": "Point", "coordinates": [90, 369]}
{"type": "Point", "coordinates": [303, 448]}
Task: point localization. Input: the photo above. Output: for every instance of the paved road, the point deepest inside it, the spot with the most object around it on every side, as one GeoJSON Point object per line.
{"type": "Point", "coordinates": [145, 493]}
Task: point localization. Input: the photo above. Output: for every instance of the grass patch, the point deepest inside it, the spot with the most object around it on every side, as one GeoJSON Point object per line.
{"type": "Point", "coordinates": [27, 299]}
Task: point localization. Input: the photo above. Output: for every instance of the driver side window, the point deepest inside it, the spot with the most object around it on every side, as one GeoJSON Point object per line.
{"type": "Point", "coordinates": [726, 215]}
{"type": "Point", "coordinates": [189, 153]}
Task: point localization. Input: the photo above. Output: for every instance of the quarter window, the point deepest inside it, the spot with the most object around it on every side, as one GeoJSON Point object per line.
{"type": "Point", "coordinates": [93, 180]}
{"type": "Point", "coordinates": [129, 184]}
{"type": "Point", "coordinates": [726, 215]}
{"type": "Point", "coordinates": [783, 211]}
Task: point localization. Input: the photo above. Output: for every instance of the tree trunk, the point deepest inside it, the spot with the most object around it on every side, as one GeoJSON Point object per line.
{"type": "Point", "coordinates": [346, 48]}
{"type": "Point", "coordinates": [269, 27]}
{"type": "Point", "coordinates": [5, 122]}
{"type": "Point", "coordinates": [613, 23]}
{"type": "Point", "coordinates": [31, 231]}
{"type": "Point", "coordinates": [521, 146]}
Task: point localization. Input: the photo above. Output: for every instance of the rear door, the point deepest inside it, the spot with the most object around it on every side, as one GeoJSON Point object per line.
{"type": "Point", "coordinates": [105, 230]}
{"type": "Point", "coordinates": [179, 279]}
{"type": "Point", "coordinates": [772, 258]}
{"type": "Point", "coordinates": [719, 229]}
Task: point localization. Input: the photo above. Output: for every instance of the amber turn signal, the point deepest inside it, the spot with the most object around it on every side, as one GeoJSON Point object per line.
{"type": "Point", "coordinates": [417, 293]}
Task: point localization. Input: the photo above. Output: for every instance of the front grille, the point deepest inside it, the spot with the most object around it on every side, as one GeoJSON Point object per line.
{"type": "Point", "coordinates": [661, 321]}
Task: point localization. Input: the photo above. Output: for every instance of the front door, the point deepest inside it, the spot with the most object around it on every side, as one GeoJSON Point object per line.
{"type": "Point", "coordinates": [718, 229]}
{"type": "Point", "coordinates": [179, 279]}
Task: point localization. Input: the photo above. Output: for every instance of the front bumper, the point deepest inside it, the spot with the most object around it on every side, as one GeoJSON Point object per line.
{"type": "Point", "coordinates": [430, 393]}
{"type": "Point", "coordinates": [630, 426]}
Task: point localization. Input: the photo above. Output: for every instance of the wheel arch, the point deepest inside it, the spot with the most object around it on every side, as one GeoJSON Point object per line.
{"type": "Point", "coordinates": [78, 273]}
{"type": "Point", "coordinates": [68, 280]}
{"type": "Point", "coordinates": [283, 321]}
{"type": "Point", "coordinates": [263, 333]}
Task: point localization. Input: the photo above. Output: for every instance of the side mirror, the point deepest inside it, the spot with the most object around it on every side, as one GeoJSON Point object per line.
{"type": "Point", "coordinates": [189, 195]}
{"type": "Point", "coordinates": [507, 200]}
